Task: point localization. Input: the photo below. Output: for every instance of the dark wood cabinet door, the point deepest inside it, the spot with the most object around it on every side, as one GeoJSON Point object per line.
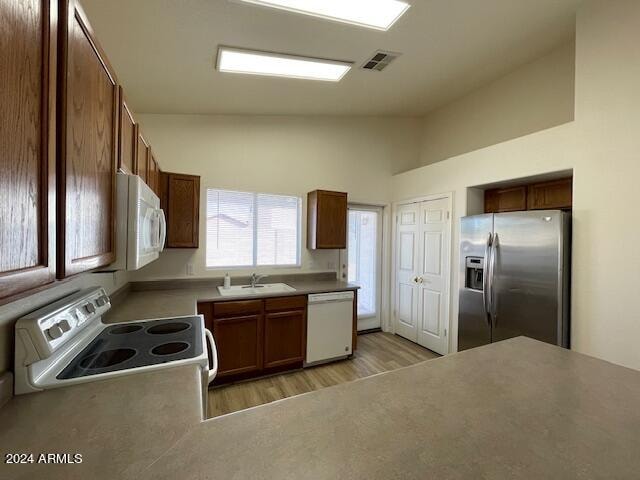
{"type": "Point", "coordinates": [285, 338]}
{"type": "Point", "coordinates": [239, 344]}
{"type": "Point", "coordinates": [556, 194]}
{"type": "Point", "coordinates": [27, 145]}
{"type": "Point", "coordinates": [327, 220]}
{"type": "Point", "coordinates": [182, 210]}
{"type": "Point", "coordinates": [127, 139]}
{"type": "Point", "coordinates": [87, 161]}
{"type": "Point", "coordinates": [505, 200]}
{"type": "Point", "coordinates": [153, 173]}
{"type": "Point", "coordinates": [142, 156]}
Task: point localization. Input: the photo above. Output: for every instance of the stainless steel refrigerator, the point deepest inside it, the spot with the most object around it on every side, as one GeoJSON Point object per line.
{"type": "Point", "coordinates": [515, 270]}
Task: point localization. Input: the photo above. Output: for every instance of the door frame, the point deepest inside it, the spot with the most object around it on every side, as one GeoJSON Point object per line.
{"type": "Point", "coordinates": [344, 255]}
{"type": "Point", "coordinates": [394, 224]}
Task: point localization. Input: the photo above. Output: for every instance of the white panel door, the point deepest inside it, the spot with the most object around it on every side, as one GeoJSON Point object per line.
{"type": "Point", "coordinates": [433, 301]}
{"type": "Point", "coordinates": [407, 261]}
{"type": "Point", "coordinates": [422, 273]}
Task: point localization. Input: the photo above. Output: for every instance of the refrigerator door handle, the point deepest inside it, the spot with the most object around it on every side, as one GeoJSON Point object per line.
{"type": "Point", "coordinates": [492, 274]}
{"type": "Point", "coordinates": [486, 280]}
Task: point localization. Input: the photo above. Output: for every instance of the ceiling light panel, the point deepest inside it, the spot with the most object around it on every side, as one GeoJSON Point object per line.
{"type": "Point", "coordinates": [377, 14]}
{"type": "Point", "coordinates": [234, 60]}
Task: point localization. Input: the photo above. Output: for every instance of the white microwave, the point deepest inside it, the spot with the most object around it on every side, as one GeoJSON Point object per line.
{"type": "Point", "coordinates": [141, 224]}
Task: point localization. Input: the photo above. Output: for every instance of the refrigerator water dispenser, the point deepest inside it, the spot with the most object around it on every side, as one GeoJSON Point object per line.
{"type": "Point", "coordinates": [474, 273]}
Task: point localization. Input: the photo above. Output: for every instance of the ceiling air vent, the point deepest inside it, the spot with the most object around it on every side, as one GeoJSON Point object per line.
{"type": "Point", "coordinates": [380, 60]}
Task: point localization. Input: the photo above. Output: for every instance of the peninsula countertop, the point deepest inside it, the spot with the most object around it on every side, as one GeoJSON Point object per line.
{"type": "Point", "coordinates": [514, 409]}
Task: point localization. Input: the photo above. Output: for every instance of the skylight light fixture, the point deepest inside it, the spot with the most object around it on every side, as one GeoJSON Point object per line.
{"type": "Point", "coordinates": [377, 14]}
{"type": "Point", "coordinates": [235, 60]}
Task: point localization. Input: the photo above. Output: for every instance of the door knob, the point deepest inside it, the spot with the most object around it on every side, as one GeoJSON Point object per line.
{"type": "Point", "coordinates": [415, 279]}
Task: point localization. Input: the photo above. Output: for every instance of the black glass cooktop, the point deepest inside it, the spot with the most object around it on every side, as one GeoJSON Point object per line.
{"type": "Point", "coordinates": [130, 345]}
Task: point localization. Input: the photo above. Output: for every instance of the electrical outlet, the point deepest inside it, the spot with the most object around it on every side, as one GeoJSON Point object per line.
{"type": "Point", "coordinates": [190, 269]}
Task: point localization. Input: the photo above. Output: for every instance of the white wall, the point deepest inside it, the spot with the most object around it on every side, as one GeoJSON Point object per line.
{"type": "Point", "coordinates": [602, 146]}
{"type": "Point", "coordinates": [534, 97]}
{"type": "Point", "coordinates": [286, 155]}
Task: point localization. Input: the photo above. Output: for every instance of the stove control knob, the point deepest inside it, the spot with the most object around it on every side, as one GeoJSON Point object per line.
{"type": "Point", "coordinates": [64, 325]}
{"type": "Point", "coordinates": [55, 331]}
{"type": "Point", "coordinates": [89, 308]}
{"type": "Point", "coordinates": [101, 301]}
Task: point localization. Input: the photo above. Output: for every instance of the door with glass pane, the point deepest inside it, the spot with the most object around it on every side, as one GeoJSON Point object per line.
{"type": "Point", "coordinates": [363, 262]}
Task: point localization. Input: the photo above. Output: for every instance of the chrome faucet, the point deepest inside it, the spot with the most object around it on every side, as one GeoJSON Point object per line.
{"type": "Point", "coordinates": [255, 278]}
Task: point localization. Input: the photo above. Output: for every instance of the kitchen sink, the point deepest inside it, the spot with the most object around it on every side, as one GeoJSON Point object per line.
{"type": "Point", "coordinates": [260, 289]}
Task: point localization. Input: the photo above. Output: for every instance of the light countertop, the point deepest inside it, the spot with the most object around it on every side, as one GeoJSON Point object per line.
{"type": "Point", "coordinates": [515, 409]}
{"type": "Point", "coordinates": [173, 302]}
{"type": "Point", "coordinates": [120, 426]}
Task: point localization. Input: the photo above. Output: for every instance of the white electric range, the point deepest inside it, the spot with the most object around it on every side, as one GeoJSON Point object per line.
{"type": "Point", "coordinates": [66, 343]}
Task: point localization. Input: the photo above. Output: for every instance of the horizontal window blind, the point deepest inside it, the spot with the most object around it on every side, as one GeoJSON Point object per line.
{"type": "Point", "coordinates": [252, 229]}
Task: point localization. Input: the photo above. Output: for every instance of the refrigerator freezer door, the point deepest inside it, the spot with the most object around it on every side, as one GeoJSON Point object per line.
{"type": "Point", "coordinates": [528, 272]}
{"type": "Point", "coordinates": [474, 328]}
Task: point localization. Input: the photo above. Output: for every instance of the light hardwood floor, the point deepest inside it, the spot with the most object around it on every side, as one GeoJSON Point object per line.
{"type": "Point", "coordinates": [377, 352]}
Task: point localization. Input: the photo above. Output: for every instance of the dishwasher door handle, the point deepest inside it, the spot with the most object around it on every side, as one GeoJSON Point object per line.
{"type": "Point", "coordinates": [324, 302]}
{"type": "Point", "coordinates": [332, 297]}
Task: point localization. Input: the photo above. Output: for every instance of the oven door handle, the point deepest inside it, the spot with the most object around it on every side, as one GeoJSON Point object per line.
{"type": "Point", "coordinates": [213, 370]}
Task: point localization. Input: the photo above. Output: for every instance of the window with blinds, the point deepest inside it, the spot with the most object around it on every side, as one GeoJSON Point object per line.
{"type": "Point", "coordinates": [252, 229]}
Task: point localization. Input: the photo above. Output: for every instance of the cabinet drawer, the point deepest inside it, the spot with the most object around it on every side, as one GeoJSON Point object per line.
{"type": "Point", "coordinates": [286, 303]}
{"type": "Point", "coordinates": [230, 309]}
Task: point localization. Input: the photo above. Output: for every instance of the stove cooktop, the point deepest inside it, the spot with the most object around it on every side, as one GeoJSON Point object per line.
{"type": "Point", "coordinates": [138, 344]}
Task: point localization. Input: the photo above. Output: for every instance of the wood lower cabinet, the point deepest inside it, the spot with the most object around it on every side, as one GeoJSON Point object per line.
{"type": "Point", "coordinates": [180, 200]}
{"type": "Point", "coordinates": [88, 106]}
{"type": "Point", "coordinates": [255, 337]}
{"type": "Point", "coordinates": [27, 145]}
{"type": "Point", "coordinates": [326, 220]}
{"type": "Point", "coordinates": [238, 331]}
{"type": "Point", "coordinates": [239, 344]}
{"type": "Point", "coordinates": [285, 331]}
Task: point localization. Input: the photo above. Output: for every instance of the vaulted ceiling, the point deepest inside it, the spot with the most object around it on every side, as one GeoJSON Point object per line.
{"type": "Point", "coordinates": [164, 53]}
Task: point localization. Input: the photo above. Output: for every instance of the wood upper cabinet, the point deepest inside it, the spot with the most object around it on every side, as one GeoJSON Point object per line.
{"type": "Point", "coordinates": [127, 138]}
{"type": "Point", "coordinates": [27, 145]}
{"type": "Point", "coordinates": [87, 146]}
{"type": "Point", "coordinates": [142, 155]}
{"type": "Point", "coordinates": [285, 331]}
{"type": "Point", "coordinates": [153, 173]}
{"type": "Point", "coordinates": [180, 200]}
{"type": "Point", "coordinates": [505, 199]}
{"type": "Point", "coordinates": [556, 194]}
{"type": "Point", "coordinates": [326, 220]}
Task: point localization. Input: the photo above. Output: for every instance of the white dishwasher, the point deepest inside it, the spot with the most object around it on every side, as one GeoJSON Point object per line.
{"type": "Point", "coordinates": [329, 326]}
